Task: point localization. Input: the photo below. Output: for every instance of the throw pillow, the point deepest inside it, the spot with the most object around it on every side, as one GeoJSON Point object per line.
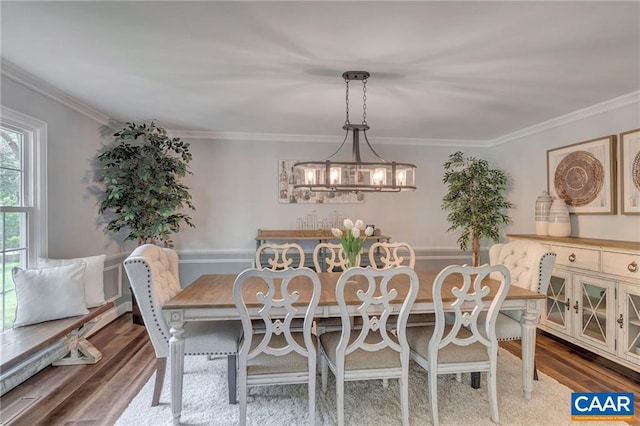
{"type": "Point", "coordinates": [93, 279]}
{"type": "Point", "coordinates": [46, 294]}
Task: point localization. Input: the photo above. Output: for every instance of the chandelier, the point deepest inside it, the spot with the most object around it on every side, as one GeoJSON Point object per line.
{"type": "Point", "coordinates": [356, 175]}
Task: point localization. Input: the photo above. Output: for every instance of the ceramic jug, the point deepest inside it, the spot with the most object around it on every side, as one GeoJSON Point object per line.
{"type": "Point", "coordinates": [559, 222]}
{"type": "Point", "coordinates": [543, 204]}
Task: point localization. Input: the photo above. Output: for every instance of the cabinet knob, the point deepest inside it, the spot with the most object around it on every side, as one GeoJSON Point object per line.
{"type": "Point", "coordinates": [576, 306]}
{"type": "Point", "coordinates": [632, 267]}
{"type": "Point", "coordinates": [572, 257]}
{"type": "Point", "coordinates": [620, 320]}
{"type": "Point", "coordinates": [568, 304]}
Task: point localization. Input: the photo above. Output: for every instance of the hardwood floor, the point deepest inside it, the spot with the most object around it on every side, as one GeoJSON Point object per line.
{"type": "Point", "coordinates": [97, 394]}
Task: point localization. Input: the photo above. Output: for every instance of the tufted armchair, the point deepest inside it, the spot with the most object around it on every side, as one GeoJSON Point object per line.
{"type": "Point", "coordinates": [530, 264]}
{"type": "Point", "coordinates": [154, 279]}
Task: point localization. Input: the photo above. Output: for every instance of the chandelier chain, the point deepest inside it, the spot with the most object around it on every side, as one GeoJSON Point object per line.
{"type": "Point", "coordinates": [364, 101]}
{"type": "Point", "coordinates": [347, 101]}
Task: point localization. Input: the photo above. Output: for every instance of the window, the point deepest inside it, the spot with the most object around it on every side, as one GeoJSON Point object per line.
{"type": "Point", "coordinates": [22, 201]}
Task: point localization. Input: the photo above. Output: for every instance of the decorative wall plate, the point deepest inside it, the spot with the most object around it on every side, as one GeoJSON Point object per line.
{"type": "Point", "coordinates": [579, 178]}
{"type": "Point", "coordinates": [635, 171]}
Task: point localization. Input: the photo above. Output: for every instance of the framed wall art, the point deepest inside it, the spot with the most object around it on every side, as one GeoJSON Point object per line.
{"type": "Point", "coordinates": [630, 171]}
{"type": "Point", "coordinates": [584, 175]}
{"type": "Point", "coordinates": [287, 194]}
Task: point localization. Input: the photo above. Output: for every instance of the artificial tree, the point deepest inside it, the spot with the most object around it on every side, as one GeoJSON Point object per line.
{"type": "Point", "coordinates": [475, 200]}
{"type": "Point", "coordinates": [142, 173]}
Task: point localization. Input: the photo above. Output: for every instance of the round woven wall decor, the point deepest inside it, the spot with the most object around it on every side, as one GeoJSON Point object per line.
{"type": "Point", "coordinates": [579, 178]}
{"type": "Point", "coordinates": [635, 171]}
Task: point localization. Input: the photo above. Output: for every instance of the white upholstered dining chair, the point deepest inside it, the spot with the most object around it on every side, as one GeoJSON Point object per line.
{"type": "Point", "coordinates": [530, 265]}
{"type": "Point", "coordinates": [277, 354]}
{"type": "Point", "coordinates": [279, 256]}
{"type": "Point", "coordinates": [154, 279]}
{"type": "Point", "coordinates": [463, 345]}
{"type": "Point", "coordinates": [370, 352]}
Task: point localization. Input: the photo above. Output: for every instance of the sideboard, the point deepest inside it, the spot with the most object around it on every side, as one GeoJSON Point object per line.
{"type": "Point", "coordinates": [593, 299]}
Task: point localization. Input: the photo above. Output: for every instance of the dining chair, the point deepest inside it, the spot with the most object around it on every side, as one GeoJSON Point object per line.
{"type": "Point", "coordinates": [279, 256]}
{"type": "Point", "coordinates": [371, 352]}
{"type": "Point", "coordinates": [388, 255]}
{"type": "Point", "coordinates": [463, 345]}
{"type": "Point", "coordinates": [330, 257]}
{"type": "Point", "coordinates": [279, 354]}
{"type": "Point", "coordinates": [391, 254]}
{"type": "Point", "coordinates": [154, 279]}
{"type": "Point", "coordinates": [530, 265]}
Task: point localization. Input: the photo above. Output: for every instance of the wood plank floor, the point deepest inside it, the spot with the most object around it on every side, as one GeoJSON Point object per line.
{"type": "Point", "coordinates": [97, 394]}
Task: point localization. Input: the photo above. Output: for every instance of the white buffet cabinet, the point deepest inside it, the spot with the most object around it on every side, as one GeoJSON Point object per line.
{"type": "Point", "coordinates": [593, 299]}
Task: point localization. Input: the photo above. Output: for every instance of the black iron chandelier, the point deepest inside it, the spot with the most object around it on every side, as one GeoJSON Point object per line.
{"type": "Point", "coordinates": [355, 175]}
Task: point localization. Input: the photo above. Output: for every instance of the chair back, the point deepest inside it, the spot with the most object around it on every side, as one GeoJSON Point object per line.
{"type": "Point", "coordinates": [330, 257]}
{"type": "Point", "coordinates": [376, 291]}
{"type": "Point", "coordinates": [471, 298]}
{"type": "Point", "coordinates": [281, 296]}
{"type": "Point", "coordinates": [279, 256]}
{"type": "Point", "coordinates": [392, 255]}
{"type": "Point", "coordinates": [529, 263]}
{"type": "Point", "coordinates": [154, 280]}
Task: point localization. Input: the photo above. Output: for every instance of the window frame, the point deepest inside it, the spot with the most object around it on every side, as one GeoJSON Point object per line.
{"type": "Point", "coordinates": [34, 169]}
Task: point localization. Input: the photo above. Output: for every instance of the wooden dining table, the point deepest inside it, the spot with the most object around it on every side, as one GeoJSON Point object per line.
{"type": "Point", "coordinates": [210, 297]}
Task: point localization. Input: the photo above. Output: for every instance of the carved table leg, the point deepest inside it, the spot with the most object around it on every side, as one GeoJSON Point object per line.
{"type": "Point", "coordinates": [528, 324]}
{"type": "Point", "coordinates": [176, 355]}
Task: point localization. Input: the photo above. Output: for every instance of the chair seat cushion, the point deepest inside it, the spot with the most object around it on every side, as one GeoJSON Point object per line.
{"type": "Point", "coordinates": [419, 337]}
{"type": "Point", "coordinates": [211, 337]}
{"type": "Point", "coordinates": [267, 364]}
{"type": "Point", "coordinates": [361, 359]}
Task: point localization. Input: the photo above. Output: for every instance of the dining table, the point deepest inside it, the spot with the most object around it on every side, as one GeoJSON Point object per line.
{"type": "Point", "coordinates": [210, 297]}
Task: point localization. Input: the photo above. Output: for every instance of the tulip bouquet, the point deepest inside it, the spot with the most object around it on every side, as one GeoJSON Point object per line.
{"type": "Point", "coordinates": [351, 238]}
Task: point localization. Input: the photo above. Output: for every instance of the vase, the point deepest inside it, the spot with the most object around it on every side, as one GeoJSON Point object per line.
{"type": "Point", "coordinates": [543, 204]}
{"type": "Point", "coordinates": [559, 222]}
{"type": "Point", "coordinates": [352, 258]}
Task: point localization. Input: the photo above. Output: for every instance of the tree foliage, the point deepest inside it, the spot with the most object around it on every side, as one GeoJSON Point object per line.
{"type": "Point", "coordinates": [475, 200]}
{"type": "Point", "coordinates": [142, 173]}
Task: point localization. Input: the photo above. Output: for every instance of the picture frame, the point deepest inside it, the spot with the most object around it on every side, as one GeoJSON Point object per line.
{"type": "Point", "coordinates": [584, 175]}
{"type": "Point", "coordinates": [630, 172]}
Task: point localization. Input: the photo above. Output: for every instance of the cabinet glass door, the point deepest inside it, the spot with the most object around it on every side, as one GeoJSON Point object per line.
{"type": "Point", "coordinates": [628, 322]}
{"type": "Point", "coordinates": [594, 304]}
{"type": "Point", "coordinates": [556, 312]}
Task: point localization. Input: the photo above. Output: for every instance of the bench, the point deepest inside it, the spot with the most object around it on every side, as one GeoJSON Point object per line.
{"type": "Point", "coordinates": [26, 350]}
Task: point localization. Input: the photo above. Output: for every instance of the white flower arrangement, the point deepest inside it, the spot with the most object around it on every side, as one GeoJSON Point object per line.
{"type": "Point", "coordinates": [351, 238]}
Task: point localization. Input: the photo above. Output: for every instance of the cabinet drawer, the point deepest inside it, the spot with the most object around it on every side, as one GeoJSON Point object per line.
{"type": "Point", "coordinates": [577, 257]}
{"type": "Point", "coordinates": [624, 264]}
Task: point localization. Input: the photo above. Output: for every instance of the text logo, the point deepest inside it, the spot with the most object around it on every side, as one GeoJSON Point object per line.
{"type": "Point", "coordinates": [602, 406]}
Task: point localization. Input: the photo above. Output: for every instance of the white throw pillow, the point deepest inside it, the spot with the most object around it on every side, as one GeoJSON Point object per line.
{"type": "Point", "coordinates": [93, 277]}
{"type": "Point", "coordinates": [52, 293]}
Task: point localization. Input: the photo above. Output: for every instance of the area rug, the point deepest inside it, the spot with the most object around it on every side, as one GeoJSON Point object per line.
{"type": "Point", "coordinates": [205, 400]}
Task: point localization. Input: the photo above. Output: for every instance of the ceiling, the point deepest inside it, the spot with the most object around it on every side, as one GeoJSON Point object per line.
{"type": "Point", "coordinates": [440, 71]}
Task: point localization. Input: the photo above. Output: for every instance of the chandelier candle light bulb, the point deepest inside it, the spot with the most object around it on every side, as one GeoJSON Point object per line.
{"type": "Point", "coordinates": [351, 238]}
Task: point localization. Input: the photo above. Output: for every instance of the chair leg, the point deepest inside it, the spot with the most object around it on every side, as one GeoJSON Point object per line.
{"type": "Point", "coordinates": [385, 383]}
{"type": "Point", "coordinates": [161, 368]}
{"type": "Point", "coordinates": [475, 380]}
{"type": "Point", "coordinates": [232, 378]}
{"type": "Point", "coordinates": [432, 378]}
{"type": "Point", "coordinates": [242, 396]}
{"type": "Point", "coordinates": [493, 394]}
{"type": "Point", "coordinates": [535, 370]}
{"type": "Point", "coordinates": [324, 371]}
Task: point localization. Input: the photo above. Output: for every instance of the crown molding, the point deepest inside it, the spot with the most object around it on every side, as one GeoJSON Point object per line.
{"type": "Point", "coordinates": [332, 139]}
{"type": "Point", "coordinates": [601, 108]}
{"type": "Point", "coordinates": [23, 77]}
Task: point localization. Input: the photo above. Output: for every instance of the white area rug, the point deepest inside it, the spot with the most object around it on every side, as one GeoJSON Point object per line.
{"type": "Point", "coordinates": [205, 400]}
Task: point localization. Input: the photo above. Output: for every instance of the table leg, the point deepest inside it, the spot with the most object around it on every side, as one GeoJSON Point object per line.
{"type": "Point", "coordinates": [528, 324]}
{"type": "Point", "coordinates": [176, 354]}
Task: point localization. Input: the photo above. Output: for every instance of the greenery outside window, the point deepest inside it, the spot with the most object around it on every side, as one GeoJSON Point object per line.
{"type": "Point", "coordinates": [22, 201]}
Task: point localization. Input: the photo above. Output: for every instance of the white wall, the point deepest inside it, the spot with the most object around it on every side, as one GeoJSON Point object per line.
{"type": "Point", "coordinates": [73, 140]}
{"type": "Point", "coordinates": [526, 162]}
{"type": "Point", "coordinates": [235, 191]}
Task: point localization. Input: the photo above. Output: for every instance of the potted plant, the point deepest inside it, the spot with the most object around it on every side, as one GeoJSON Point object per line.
{"type": "Point", "coordinates": [142, 173]}
{"type": "Point", "coordinates": [475, 200]}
